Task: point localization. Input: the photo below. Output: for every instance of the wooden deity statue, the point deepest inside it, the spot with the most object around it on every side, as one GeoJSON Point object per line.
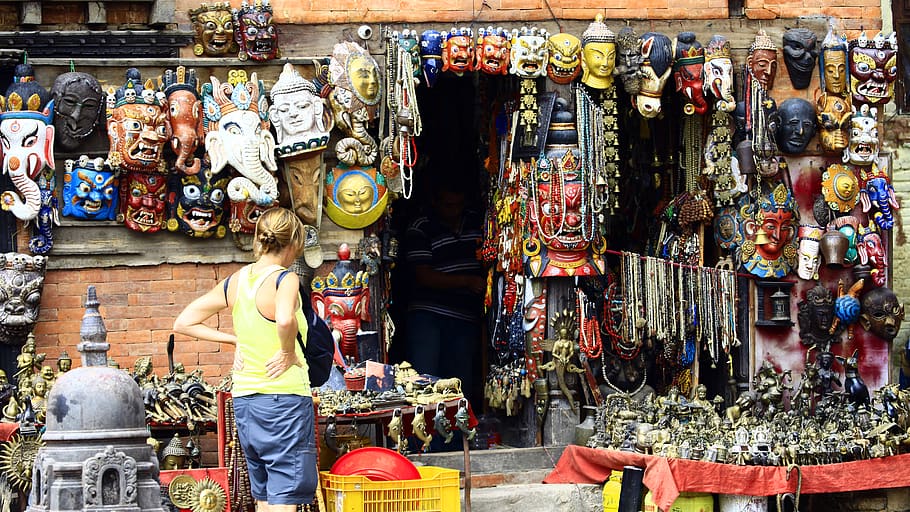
{"type": "Point", "coordinates": [562, 350]}
{"type": "Point", "coordinates": [832, 100]}
{"type": "Point", "coordinates": [302, 122]}
{"type": "Point", "coordinates": [237, 136]}
{"type": "Point", "coordinates": [356, 192]}
{"type": "Point", "coordinates": [564, 240]}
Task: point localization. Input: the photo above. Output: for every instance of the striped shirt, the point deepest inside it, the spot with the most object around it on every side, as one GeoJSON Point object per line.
{"type": "Point", "coordinates": [430, 243]}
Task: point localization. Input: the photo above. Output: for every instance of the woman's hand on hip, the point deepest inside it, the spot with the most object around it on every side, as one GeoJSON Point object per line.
{"type": "Point", "coordinates": [280, 362]}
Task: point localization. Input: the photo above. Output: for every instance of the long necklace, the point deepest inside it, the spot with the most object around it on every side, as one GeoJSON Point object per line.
{"type": "Point", "coordinates": [556, 196]}
{"type": "Point", "coordinates": [590, 341]}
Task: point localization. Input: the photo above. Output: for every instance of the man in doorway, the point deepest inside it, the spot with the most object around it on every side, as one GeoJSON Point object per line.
{"type": "Point", "coordinates": [444, 315]}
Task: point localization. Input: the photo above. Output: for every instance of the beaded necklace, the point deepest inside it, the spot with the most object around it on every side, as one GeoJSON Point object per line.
{"type": "Point", "coordinates": [546, 171]}
{"type": "Point", "coordinates": [590, 342]}
{"type": "Point", "coordinates": [405, 122]}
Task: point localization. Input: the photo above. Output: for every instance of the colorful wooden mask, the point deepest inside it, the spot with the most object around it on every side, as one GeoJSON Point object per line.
{"type": "Point", "coordinates": [794, 125]}
{"type": "Point", "coordinates": [21, 284]}
{"type": "Point", "coordinates": [832, 63]}
{"type": "Point", "coordinates": [688, 72]}
{"type": "Point", "coordinates": [143, 201]}
{"type": "Point", "coordinates": [197, 203]}
{"type": "Point", "coordinates": [809, 258]}
{"type": "Point", "coordinates": [213, 30]}
{"type": "Point", "coordinates": [628, 59]}
{"type": "Point", "coordinates": [848, 225]}
{"type": "Point", "coordinates": [354, 99]}
{"type": "Point", "coordinates": [78, 101]}
{"type": "Point", "coordinates": [137, 125]}
{"type": "Point", "coordinates": [598, 55]}
{"type": "Point", "coordinates": [342, 299]}
{"type": "Point", "coordinates": [862, 147]}
{"type": "Point", "coordinates": [840, 188]}
{"type": "Point", "coordinates": [90, 189]}
{"type": "Point", "coordinates": [800, 51]}
{"type": "Point", "coordinates": [726, 226]}
{"type": "Point", "coordinates": [299, 115]}
{"type": "Point", "coordinates": [871, 251]}
{"type": "Point", "coordinates": [529, 53]}
{"type": "Point", "coordinates": [458, 50]}
{"type": "Point", "coordinates": [254, 32]}
{"type": "Point", "coordinates": [816, 318]}
{"type": "Point", "coordinates": [833, 114]}
{"type": "Point", "coordinates": [657, 50]}
{"type": "Point", "coordinates": [185, 114]}
{"type": "Point", "coordinates": [355, 197]}
{"type": "Point", "coordinates": [873, 69]}
{"type": "Point", "coordinates": [431, 48]}
{"type": "Point", "coordinates": [27, 133]}
{"type": "Point", "coordinates": [775, 216]}
{"type": "Point", "coordinates": [564, 58]}
{"type": "Point", "coordinates": [408, 42]}
{"type": "Point", "coordinates": [237, 135]}
{"type": "Point", "coordinates": [491, 55]}
{"type": "Point", "coordinates": [881, 313]}
{"type": "Point", "coordinates": [876, 191]}
{"type": "Point", "coordinates": [719, 73]}
{"type": "Point", "coordinates": [762, 60]}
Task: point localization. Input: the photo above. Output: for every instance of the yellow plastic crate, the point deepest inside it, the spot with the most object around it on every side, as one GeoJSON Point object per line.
{"type": "Point", "coordinates": [436, 491]}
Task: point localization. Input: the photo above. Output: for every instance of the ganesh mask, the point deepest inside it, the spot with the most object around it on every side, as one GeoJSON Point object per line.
{"type": "Point", "coordinates": [90, 189]}
{"type": "Point", "coordinates": [342, 298]}
{"type": "Point", "coordinates": [719, 73]}
{"type": "Point", "coordinates": [688, 72]}
{"type": "Point", "coordinates": [871, 252]}
{"type": "Point", "coordinates": [185, 115]}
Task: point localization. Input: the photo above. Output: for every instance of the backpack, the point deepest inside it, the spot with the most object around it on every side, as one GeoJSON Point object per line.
{"type": "Point", "coordinates": [319, 349]}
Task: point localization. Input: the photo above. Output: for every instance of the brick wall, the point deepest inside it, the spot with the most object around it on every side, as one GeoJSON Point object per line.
{"type": "Point", "coordinates": [138, 305]}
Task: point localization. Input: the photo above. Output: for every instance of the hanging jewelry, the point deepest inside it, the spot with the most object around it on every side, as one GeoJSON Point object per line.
{"type": "Point", "coordinates": [404, 122]}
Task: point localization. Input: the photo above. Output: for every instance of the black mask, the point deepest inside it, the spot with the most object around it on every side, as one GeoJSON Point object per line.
{"type": "Point", "coordinates": [800, 52]}
{"type": "Point", "coordinates": [794, 126]}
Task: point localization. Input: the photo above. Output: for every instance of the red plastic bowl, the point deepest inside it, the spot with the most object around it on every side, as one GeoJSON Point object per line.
{"type": "Point", "coordinates": [377, 464]}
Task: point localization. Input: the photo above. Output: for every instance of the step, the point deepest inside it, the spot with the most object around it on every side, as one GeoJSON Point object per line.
{"type": "Point", "coordinates": [537, 498]}
{"type": "Point", "coordinates": [494, 460]}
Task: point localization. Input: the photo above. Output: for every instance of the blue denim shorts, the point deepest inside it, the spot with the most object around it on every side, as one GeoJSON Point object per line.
{"type": "Point", "coordinates": [279, 442]}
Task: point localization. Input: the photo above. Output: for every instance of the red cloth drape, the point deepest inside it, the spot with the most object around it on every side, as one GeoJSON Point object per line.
{"type": "Point", "coordinates": [666, 478]}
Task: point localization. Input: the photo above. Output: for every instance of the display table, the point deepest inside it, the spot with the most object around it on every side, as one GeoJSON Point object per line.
{"type": "Point", "coordinates": [666, 478]}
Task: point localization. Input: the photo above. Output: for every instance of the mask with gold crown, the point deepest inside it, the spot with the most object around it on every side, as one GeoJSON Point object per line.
{"type": "Point", "coordinates": [237, 136]}
{"type": "Point", "coordinates": [213, 30]}
{"type": "Point", "coordinates": [342, 299]}
{"type": "Point", "coordinates": [768, 244]}
{"type": "Point", "coordinates": [137, 125]}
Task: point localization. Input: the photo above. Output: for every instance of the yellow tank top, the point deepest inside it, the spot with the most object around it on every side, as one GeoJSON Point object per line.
{"type": "Point", "coordinates": [257, 341]}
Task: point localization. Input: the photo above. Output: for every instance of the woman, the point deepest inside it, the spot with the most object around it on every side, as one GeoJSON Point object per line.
{"type": "Point", "coordinates": [271, 392]}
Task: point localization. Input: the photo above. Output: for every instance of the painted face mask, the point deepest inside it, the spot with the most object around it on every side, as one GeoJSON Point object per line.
{"type": "Point", "coordinates": [808, 251]}
{"type": "Point", "coordinates": [840, 188]}
{"type": "Point", "coordinates": [299, 115]}
{"type": "Point", "coordinates": [881, 313]}
{"type": "Point", "coordinates": [658, 56]}
{"type": "Point", "coordinates": [800, 53]}
{"type": "Point", "coordinates": [143, 201]}
{"type": "Point", "coordinates": [862, 149]}
{"type": "Point", "coordinates": [598, 55]}
{"type": "Point", "coordinates": [776, 216]}
{"type": "Point", "coordinates": [873, 69]}
{"type": "Point", "coordinates": [833, 114]}
{"type": "Point", "coordinates": [213, 30]}
{"type": "Point", "coordinates": [564, 62]}
{"type": "Point", "coordinates": [197, 203]}
{"type": "Point", "coordinates": [255, 34]}
{"type": "Point", "coordinates": [237, 135]}
{"type": "Point", "coordinates": [355, 101]}
{"type": "Point", "coordinates": [21, 285]}
{"type": "Point", "coordinates": [27, 135]}
{"type": "Point", "coordinates": [341, 298]}
{"type": "Point", "coordinates": [833, 64]}
{"type": "Point", "coordinates": [762, 60]}
{"type": "Point", "coordinates": [431, 43]}
{"type": "Point", "coordinates": [719, 73]}
{"type": "Point", "coordinates": [876, 191]}
{"type": "Point", "coordinates": [408, 43]}
{"type": "Point", "coordinates": [90, 189]}
{"type": "Point", "coordinates": [185, 116]}
{"type": "Point", "coordinates": [137, 126]}
{"type": "Point", "coordinates": [492, 51]}
{"type": "Point", "coordinates": [77, 108]}
{"type": "Point", "coordinates": [688, 73]}
{"type": "Point", "coordinates": [355, 197]}
{"type": "Point", "coordinates": [458, 51]}
{"type": "Point", "coordinates": [529, 53]}
{"type": "Point", "coordinates": [794, 125]}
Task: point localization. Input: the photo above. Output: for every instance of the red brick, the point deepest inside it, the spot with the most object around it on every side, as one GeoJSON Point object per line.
{"type": "Point", "coordinates": [760, 14]}
{"type": "Point", "coordinates": [216, 358]}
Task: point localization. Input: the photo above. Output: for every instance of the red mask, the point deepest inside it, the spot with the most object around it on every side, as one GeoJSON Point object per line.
{"type": "Point", "coordinates": [143, 200]}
